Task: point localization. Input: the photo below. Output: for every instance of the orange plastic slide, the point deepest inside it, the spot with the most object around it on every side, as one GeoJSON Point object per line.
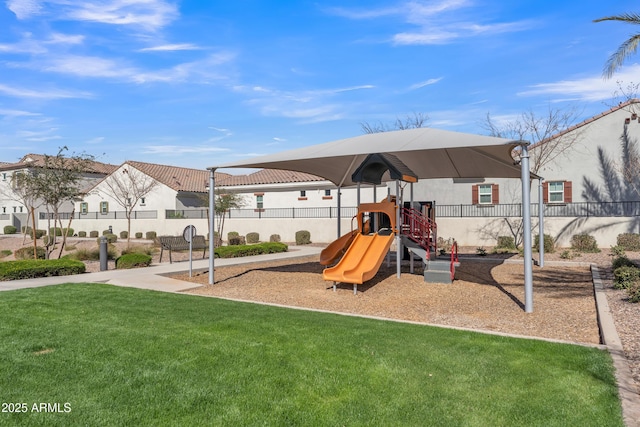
{"type": "Point", "coordinates": [361, 261]}
{"type": "Point", "coordinates": [337, 248]}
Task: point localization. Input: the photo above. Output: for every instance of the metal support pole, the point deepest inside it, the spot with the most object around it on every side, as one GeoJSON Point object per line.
{"type": "Point", "coordinates": [339, 209]}
{"type": "Point", "coordinates": [411, 207]}
{"type": "Point", "coordinates": [212, 225]}
{"type": "Point", "coordinates": [540, 224]}
{"type": "Point", "coordinates": [398, 241]}
{"type": "Point", "coordinates": [525, 177]}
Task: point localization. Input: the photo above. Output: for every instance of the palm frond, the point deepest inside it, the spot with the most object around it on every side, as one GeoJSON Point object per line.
{"type": "Point", "coordinates": [625, 50]}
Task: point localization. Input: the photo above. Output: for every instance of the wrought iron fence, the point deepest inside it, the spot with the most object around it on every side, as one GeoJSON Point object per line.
{"type": "Point", "coordinates": [100, 215]}
{"type": "Point", "coordinates": [320, 212]}
{"type": "Point", "coordinates": [577, 209]}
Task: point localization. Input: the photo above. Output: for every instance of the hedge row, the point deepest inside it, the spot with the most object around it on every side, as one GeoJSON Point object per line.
{"type": "Point", "coordinates": [247, 250]}
{"type": "Point", "coordinates": [30, 269]}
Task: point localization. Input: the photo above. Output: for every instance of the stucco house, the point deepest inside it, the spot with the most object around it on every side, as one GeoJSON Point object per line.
{"type": "Point", "coordinates": [584, 190]}
{"type": "Point", "coordinates": [12, 208]}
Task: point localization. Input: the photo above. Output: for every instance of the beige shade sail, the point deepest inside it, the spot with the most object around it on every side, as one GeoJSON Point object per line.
{"type": "Point", "coordinates": [428, 152]}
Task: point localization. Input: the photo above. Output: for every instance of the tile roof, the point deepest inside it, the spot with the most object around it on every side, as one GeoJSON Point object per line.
{"type": "Point", "coordinates": [179, 178]}
{"type": "Point", "coordinates": [270, 176]}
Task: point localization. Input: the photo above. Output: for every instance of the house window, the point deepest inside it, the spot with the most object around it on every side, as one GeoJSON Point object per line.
{"type": "Point", "coordinates": [4, 209]}
{"type": "Point", "coordinates": [327, 193]}
{"type": "Point", "coordinates": [21, 208]}
{"type": "Point", "coordinates": [142, 201]}
{"type": "Point", "coordinates": [104, 207]}
{"type": "Point", "coordinates": [557, 192]}
{"type": "Point", "coordinates": [84, 208]}
{"type": "Point", "coordinates": [4, 176]}
{"type": "Point", "coordinates": [485, 194]}
{"type": "Point", "coordinates": [303, 195]}
{"type": "Point", "coordinates": [260, 202]}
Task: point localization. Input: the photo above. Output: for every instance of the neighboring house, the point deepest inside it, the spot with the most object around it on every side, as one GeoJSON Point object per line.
{"type": "Point", "coordinates": [583, 191]}
{"type": "Point", "coordinates": [12, 210]}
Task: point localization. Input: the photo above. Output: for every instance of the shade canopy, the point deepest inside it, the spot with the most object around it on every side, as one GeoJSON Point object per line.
{"type": "Point", "coordinates": [428, 152]}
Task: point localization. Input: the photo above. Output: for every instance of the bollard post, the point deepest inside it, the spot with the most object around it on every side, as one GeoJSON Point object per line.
{"type": "Point", "coordinates": [103, 254]}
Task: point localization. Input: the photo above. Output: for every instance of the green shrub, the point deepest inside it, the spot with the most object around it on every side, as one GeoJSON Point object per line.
{"type": "Point", "coordinates": [111, 238]}
{"type": "Point", "coordinates": [506, 242]}
{"type": "Point", "coordinates": [303, 237]}
{"type": "Point", "coordinates": [481, 251]}
{"type": "Point", "coordinates": [584, 243]}
{"type": "Point", "coordinates": [621, 261]}
{"type": "Point", "coordinates": [27, 253]}
{"type": "Point", "coordinates": [151, 235]}
{"type": "Point", "coordinates": [247, 250]}
{"type": "Point", "coordinates": [232, 234]}
{"type": "Point", "coordinates": [105, 232]}
{"type": "Point", "coordinates": [617, 250]}
{"type": "Point", "coordinates": [139, 249]}
{"type": "Point", "coordinates": [82, 234]}
{"type": "Point", "coordinates": [253, 238]}
{"type": "Point", "coordinates": [10, 229]}
{"type": "Point", "coordinates": [58, 231]}
{"type": "Point", "coordinates": [93, 233]}
{"type": "Point", "coordinates": [5, 253]}
{"type": "Point", "coordinates": [629, 241]}
{"type": "Point", "coordinates": [445, 244]}
{"type": "Point", "coordinates": [566, 254]}
{"type": "Point", "coordinates": [634, 292]}
{"type": "Point", "coordinates": [133, 260]}
{"type": "Point", "coordinates": [139, 235]}
{"type": "Point", "coordinates": [548, 242]}
{"type": "Point", "coordinates": [124, 234]}
{"type": "Point", "coordinates": [237, 240]}
{"type": "Point", "coordinates": [29, 231]}
{"type": "Point", "coordinates": [274, 238]}
{"type": "Point", "coordinates": [625, 276]}
{"type": "Point", "coordinates": [92, 254]}
{"type": "Point", "coordinates": [30, 269]}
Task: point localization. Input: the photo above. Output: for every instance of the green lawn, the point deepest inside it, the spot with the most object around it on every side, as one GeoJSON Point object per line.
{"type": "Point", "coordinates": [121, 356]}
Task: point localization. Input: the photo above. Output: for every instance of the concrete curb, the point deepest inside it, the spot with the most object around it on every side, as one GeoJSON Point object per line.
{"type": "Point", "coordinates": [627, 390]}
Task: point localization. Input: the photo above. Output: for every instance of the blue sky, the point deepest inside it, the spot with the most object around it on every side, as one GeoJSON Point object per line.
{"type": "Point", "coordinates": [199, 83]}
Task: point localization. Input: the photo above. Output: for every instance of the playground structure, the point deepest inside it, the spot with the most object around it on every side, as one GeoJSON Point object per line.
{"type": "Point", "coordinates": [360, 252]}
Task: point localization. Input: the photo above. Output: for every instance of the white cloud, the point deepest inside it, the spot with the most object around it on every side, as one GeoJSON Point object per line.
{"type": "Point", "coordinates": [437, 22]}
{"type": "Point", "coordinates": [593, 88]}
{"type": "Point", "coordinates": [424, 83]}
{"type": "Point", "coordinates": [17, 113]}
{"type": "Point", "coordinates": [38, 136]}
{"type": "Point", "coordinates": [170, 47]}
{"type": "Point", "coordinates": [86, 66]}
{"type": "Point", "coordinates": [149, 15]}
{"type": "Point", "coordinates": [96, 140]}
{"type": "Point", "coordinates": [181, 149]}
{"type": "Point", "coordinates": [40, 94]}
{"type": "Point", "coordinates": [24, 9]}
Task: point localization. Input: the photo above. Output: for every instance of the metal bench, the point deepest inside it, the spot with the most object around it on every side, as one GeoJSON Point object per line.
{"type": "Point", "coordinates": [178, 243]}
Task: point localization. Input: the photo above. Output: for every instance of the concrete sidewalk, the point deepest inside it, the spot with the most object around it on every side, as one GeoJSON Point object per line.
{"type": "Point", "coordinates": [154, 277]}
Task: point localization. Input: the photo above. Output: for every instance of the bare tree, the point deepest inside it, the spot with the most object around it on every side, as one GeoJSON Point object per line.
{"type": "Point", "coordinates": [127, 186]}
{"type": "Point", "coordinates": [22, 190]}
{"type": "Point", "coordinates": [417, 120]}
{"type": "Point", "coordinates": [226, 200]}
{"type": "Point", "coordinates": [547, 133]}
{"type": "Point", "coordinates": [57, 182]}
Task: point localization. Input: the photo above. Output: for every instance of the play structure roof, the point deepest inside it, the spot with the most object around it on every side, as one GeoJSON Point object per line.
{"type": "Point", "coordinates": [428, 152]}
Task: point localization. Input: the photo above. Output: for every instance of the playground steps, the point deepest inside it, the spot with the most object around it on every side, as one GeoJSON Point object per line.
{"type": "Point", "coordinates": [435, 270]}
